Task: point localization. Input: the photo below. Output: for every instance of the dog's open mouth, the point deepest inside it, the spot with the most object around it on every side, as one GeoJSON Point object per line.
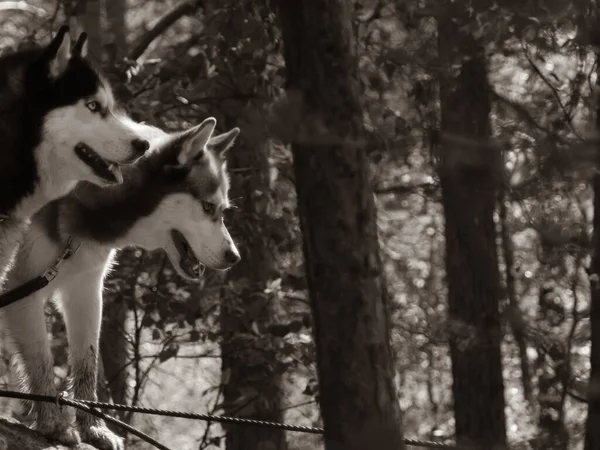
{"type": "Point", "coordinates": [187, 260]}
{"type": "Point", "coordinates": [107, 170]}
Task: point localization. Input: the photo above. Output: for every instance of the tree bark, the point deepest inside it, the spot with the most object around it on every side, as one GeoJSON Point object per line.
{"type": "Point", "coordinates": [162, 24]}
{"type": "Point", "coordinates": [552, 371]}
{"type": "Point", "coordinates": [114, 348]}
{"type": "Point", "coordinates": [115, 44]}
{"type": "Point", "coordinates": [470, 173]}
{"type": "Point", "coordinates": [88, 14]}
{"type": "Point", "coordinates": [358, 398]}
{"type": "Point", "coordinates": [513, 303]}
{"type": "Point", "coordinates": [251, 373]}
{"type": "Point", "coordinates": [592, 431]}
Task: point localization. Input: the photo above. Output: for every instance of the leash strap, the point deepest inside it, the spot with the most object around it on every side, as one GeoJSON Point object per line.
{"type": "Point", "coordinates": [38, 283]}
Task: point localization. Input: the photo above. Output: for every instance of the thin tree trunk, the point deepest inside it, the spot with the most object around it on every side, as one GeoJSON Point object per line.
{"type": "Point", "coordinates": [470, 173]}
{"type": "Point", "coordinates": [251, 375]}
{"type": "Point", "coordinates": [114, 348]}
{"type": "Point", "coordinates": [551, 375]}
{"type": "Point", "coordinates": [511, 289]}
{"type": "Point", "coordinates": [115, 44]}
{"type": "Point", "coordinates": [592, 435]}
{"type": "Point", "coordinates": [358, 398]}
{"type": "Point", "coordinates": [102, 388]}
{"type": "Point", "coordinates": [252, 385]}
{"type": "Point", "coordinates": [89, 20]}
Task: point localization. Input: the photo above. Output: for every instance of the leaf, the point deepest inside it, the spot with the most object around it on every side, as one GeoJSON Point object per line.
{"type": "Point", "coordinates": [273, 286]}
{"type": "Point", "coordinates": [295, 326]}
{"type": "Point", "coordinates": [148, 321]}
{"type": "Point", "coordinates": [287, 348]}
{"type": "Point", "coordinates": [190, 317]}
{"type": "Point", "coordinates": [168, 353]}
{"type": "Point", "coordinates": [312, 387]}
{"type": "Point", "coordinates": [194, 336]}
{"type": "Point", "coordinates": [279, 330]}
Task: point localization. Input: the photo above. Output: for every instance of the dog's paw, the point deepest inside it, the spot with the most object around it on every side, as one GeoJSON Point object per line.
{"type": "Point", "coordinates": [101, 437]}
{"type": "Point", "coordinates": [61, 432]}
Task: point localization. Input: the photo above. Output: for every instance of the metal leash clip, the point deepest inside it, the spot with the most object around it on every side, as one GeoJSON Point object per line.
{"type": "Point", "coordinates": [51, 273]}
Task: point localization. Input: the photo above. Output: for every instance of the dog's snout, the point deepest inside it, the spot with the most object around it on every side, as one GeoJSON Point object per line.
{"type": "Point", "coordinates": [232, 256]}
{"type": "Point", "coordinates": [140, 145]}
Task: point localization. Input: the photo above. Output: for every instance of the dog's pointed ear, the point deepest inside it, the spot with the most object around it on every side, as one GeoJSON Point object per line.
{"type": "Point", "coordinates": [58, 52]}
{"type": "Point", "coordinates": [223, 142]}
{"type": "Point", "coordinates": [196, 140]}
{"type": "Point", "coordinates": [81, 46]}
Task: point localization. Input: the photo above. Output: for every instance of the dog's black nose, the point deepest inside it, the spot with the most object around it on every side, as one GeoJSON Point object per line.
{"type": "Point", "coordinates": [140, 145]}
{"type": "Point", "coordinates": [232, 257]}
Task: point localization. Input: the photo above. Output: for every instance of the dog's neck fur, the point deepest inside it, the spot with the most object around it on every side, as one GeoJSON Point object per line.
{"type": "Point", "coordinates": [104, 216]}
{"type": "Point", "coordinates": [13, 228]}
{"type": "Point", "coordinates": [48, 189]}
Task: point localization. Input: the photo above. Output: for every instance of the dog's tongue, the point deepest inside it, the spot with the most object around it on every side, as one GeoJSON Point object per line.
{"type": "Point", "coordinates": [187, 260]}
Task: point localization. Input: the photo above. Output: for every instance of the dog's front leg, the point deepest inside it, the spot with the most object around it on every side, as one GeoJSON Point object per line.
{"type": "Point", "coordinates": [24, 323]}
{"type": "Point", "coordinates": [82, 310]}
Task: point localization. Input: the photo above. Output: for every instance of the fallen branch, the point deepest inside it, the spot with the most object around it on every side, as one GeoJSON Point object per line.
{"type": "Point", "coordinates": [183, 9]}
{"type": "Point", "coordinates": [22, 6]}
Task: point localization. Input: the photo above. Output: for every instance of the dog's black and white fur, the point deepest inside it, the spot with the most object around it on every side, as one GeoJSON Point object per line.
{"type": "Point", "coordinates": [58, 125]}
{"type": "Point", "coordinates": [172, 198]}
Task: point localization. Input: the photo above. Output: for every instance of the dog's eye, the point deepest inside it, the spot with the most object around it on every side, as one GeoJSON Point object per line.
{"type": "Point", "coordinates": [93, 106]}
{"type": "Point", "coordinates": [209, 208]}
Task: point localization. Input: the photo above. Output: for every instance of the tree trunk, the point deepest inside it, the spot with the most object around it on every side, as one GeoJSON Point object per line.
{"type": "Point", "coordinates": [251, 374]}
{"type": "Point", "coordinates": [470, 173]}
{"type": "Point", "coordinates": [592, 435]}
{"type": "Point", "coordinates": [88, 14]}
{"type": "Point", "coordinates": [553, 433]}
{"type": "Point", "coordinates": [358, 398]}
{"type": "Point", "coordinates": [515, 317]}
{"type": "Point", "coordinates": [114, 348]}
{"type": "Point", "coordinates": [115, 44]}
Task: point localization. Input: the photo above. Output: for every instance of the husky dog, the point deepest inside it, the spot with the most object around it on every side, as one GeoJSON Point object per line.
{"type": "Point", "coordinates": [58, 125]}
{"type": "Point", "coordinates": [172, 198]}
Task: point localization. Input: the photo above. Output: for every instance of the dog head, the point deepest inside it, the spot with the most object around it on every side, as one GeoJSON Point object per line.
{"type": "Point", "coordinates": [84, 136]}
{"type": "Point", "coordinates": [187, 221]}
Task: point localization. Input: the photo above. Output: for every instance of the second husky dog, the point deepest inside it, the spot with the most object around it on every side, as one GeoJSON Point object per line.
{"type": "Point", "coordinates": [173, 198]}
{"type": "Point", "coordinates": [58, 125]}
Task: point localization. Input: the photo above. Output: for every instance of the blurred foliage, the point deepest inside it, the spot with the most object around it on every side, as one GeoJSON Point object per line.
{"type": "Point", "coordinates": [542, 71]}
